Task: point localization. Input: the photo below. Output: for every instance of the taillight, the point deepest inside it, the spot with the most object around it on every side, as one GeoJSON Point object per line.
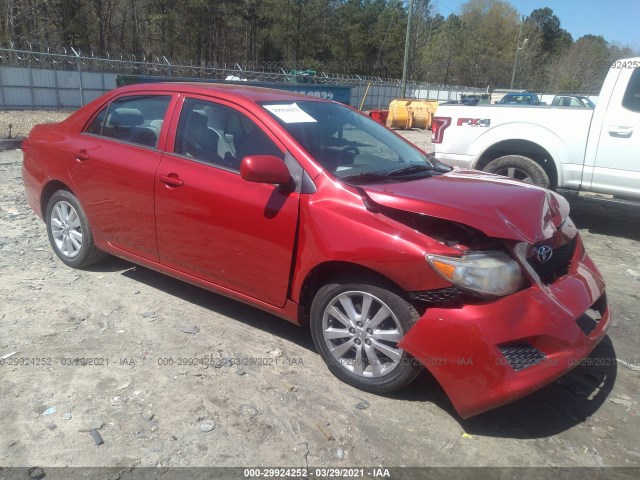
{"type": "Point", "coordinates": [438, 126]}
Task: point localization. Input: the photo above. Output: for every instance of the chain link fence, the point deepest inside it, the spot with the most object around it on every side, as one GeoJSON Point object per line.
{"type": "Point", "coordinates": [68, 80]}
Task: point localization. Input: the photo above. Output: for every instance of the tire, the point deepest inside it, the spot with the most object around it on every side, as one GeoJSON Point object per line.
{"type": "Point", "coordinates": [353, 352]}
{"type": "Point", "coordinates": [69, 231]}
{"type": "Point", "coordinates": [520, 168]}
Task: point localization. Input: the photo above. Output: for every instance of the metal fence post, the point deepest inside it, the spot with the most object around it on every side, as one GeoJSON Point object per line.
{"type": "Point", "coordinates": [79, 75]}
{"type": "Point", "coordinates": [57, 88]}
{"type": "Point", "coordinates": [32, 86]}
{"type": "Point", "coordinates": [168, 63]}
{"type": "Point", "coordinates": [3, 99]}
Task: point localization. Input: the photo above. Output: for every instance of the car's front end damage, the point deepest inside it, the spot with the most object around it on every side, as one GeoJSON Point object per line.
{"type": "Point", "coordinates": [526, 303]}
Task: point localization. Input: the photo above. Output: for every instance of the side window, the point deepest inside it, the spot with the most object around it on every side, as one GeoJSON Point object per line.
{"type": "Point", "coordinates": [631, 99]}
{"type": "Point", "coordinates": [95, 127]}
{"type": "Point", "coordinates": [135, 119]}
{"type": "Point", "coordinates": [220, 135]}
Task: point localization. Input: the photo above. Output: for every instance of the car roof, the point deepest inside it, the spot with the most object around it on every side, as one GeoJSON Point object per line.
{"type": "Point", "coordinates": [234, 92]}
{"type": "Point", "coordinates": [571, 95]}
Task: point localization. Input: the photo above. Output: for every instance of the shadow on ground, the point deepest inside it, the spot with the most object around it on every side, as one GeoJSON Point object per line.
{"type": "Point", "coordinates": [565, 403]}
{"type": "Point", "coordinates": [558, 407]}
{"type": "Point", "coordinates": [252, 317]}
{"type": "Point", "coordinates": [606, 218]}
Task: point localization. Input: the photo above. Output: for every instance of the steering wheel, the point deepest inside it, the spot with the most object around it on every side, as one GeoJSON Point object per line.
{"type": "Point", "coordinates": [348, 154]}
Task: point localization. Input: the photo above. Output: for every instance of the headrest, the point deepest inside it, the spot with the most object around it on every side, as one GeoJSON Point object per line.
{"type": "Point", "coordinates": [199, 119]}
{"type": "Point", "coordinates": [126, 117]}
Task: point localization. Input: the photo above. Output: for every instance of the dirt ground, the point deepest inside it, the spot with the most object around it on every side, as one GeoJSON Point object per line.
{"type": "Point", "coordinates": [111, 348]}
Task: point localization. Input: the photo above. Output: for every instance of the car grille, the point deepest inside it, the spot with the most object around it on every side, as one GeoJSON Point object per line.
{"type": "Point", "coordinates": [521, 355]}
{"type": "Point", "coordinates": [557, 265]}
{"type": "Point", "coordinates": [442, 296]}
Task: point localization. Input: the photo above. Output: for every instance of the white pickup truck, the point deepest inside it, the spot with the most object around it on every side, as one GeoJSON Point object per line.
{"type": "Point", "coordinates": [555, 147]}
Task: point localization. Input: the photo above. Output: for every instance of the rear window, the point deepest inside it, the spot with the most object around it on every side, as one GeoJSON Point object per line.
{"type": "Point", "coordinates": [136, 119]}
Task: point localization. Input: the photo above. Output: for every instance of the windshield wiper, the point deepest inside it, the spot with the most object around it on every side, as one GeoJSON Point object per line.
{"type": "Point", "coordinates": [364, 177]}
{"type": "Point", "coordinates": [409, 169]}
{"type": "Point", "coordinates": [437, 169]}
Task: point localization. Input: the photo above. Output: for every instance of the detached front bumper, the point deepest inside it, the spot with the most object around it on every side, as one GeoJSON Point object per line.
{"type": "Point", "coordinates": [491, 354]}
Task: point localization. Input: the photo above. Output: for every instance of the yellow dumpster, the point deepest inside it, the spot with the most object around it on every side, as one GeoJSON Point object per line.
{"type": "Point", "coordinates": [405, 114]}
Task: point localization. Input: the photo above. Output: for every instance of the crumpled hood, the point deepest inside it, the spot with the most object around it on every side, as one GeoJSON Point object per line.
{"type": "Point", "coordinates": [497, 206]}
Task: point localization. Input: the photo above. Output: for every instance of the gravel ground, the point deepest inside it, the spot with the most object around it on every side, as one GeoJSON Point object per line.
{"type": "Point", "coordinates": [283, 407]}
{"type": "Point", "coordinates": [19, 123]}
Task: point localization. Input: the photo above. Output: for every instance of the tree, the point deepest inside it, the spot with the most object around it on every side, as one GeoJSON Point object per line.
{"type": "Point", "coordinates": [475, 48]}
{"type": "Point", "coordinates": [554, 38]}
{"type": "Point", "coordinates": [491, 28]}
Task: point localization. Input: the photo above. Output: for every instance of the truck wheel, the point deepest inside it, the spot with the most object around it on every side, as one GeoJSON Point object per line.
{"type": "Point", "coordinates": [521, 168]}
{"type": "Point", "coordinates": [356, 329]}
{"type": "Point", "coordinates": [69, 232]}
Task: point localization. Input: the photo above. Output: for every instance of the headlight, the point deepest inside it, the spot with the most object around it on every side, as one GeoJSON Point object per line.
{"type": "Point", "coordinates": [488, 273]}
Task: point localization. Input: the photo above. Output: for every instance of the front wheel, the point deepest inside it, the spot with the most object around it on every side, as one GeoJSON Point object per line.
{"type": "Point", "coordinates": [520, 168]}
{"type": "Point", "coordinates": [69, 232]}
{"type": "Point", "coordinates": [356, 329]}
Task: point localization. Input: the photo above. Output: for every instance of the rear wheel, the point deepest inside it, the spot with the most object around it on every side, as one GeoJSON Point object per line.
{"type": "Point", "coordinates": [69, 232]}
{"type": "Point", "coordinates": [520, 168]}
{"type": "Point", "coordinates": [356, 328]}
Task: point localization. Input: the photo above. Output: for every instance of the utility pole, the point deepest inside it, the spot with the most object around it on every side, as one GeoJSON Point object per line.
{"type": "Point", "coordinates": [406, 52]}
{"type": "Point", "coordinates": [515, 62]}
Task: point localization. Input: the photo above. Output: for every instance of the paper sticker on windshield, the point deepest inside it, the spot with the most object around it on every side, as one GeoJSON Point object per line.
{"type": "Point", "coordinates": [291, 113]}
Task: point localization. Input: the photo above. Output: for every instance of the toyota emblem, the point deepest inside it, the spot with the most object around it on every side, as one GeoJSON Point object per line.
{"type": "Point", "coordinates": [544, 254]}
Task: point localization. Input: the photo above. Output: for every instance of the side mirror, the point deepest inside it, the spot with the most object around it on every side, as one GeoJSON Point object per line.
{"type": "Point", "coordinates": [264, 169]}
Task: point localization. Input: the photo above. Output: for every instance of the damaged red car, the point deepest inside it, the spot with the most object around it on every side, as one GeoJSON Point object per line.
{"type": "Point", "coordinates": [316, 213]}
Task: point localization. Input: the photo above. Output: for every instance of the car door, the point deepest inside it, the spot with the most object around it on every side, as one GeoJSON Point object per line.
{"type": "Point", "coordinates": [114, 167]}
{"type": "Point", "coordinates": [617, 160]}
{"type": "Point", "coordinates": [210, 222]}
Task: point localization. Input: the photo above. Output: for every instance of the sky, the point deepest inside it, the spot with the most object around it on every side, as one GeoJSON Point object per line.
{"type": "Point", "coordinates": [618, 21]}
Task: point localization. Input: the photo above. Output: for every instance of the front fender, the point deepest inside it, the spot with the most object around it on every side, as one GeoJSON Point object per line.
{"type": "Point", "coordinates": [335, 226]}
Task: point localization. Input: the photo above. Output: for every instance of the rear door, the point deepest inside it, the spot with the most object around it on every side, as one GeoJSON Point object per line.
{"type": "Point", "coordinates": [114, 166]}
{"type": "Point", "coordinates": [617, 159]}
{"type": "Point", "coordinates": [210, 222]}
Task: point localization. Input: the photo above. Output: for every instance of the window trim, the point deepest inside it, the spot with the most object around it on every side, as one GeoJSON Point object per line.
{"type": "Point", "coordinates": [175, 121]}
{"type": "Point", "coordinates": [168, 114]}
{"type": "Point", "coordinates": [634, 77]}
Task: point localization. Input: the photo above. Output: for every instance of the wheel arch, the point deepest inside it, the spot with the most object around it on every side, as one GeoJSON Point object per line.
{"type": "Point", "coordinates": [47, 192]}
{"type": "Point", "coordinates": [334, 270]}
{"type": "Point", "coordinates": [525, 148]}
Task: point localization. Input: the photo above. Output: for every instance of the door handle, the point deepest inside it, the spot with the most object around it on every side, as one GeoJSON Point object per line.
{"type": "Point", "coordinates": [171, 180]}
{"type": "Point", "coordinates": [620, 131]}
{"type": "Point", "coordinates": [82, 155]}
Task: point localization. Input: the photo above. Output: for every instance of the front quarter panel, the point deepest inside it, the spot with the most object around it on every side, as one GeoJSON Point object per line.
{"type": "Point", "coordinates": [335, 226]}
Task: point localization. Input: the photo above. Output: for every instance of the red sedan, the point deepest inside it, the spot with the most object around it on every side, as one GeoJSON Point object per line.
{"type": "Point", "coordinates": [316, 213]}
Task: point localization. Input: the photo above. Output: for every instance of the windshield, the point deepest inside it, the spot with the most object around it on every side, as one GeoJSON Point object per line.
{"type": "Point", "coordinates": [346, 143]}
{"type": "Point", "coordinates": [587, 102]}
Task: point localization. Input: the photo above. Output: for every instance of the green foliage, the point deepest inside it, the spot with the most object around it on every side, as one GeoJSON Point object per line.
{"type": "Point", "coordinates": [475, 48]}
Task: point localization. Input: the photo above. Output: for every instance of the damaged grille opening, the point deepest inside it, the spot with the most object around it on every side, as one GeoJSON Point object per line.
{"type": "Point", "coordinates": [557, 266]}
{"type": "Point", "coordinates": [521, 355]}
{"type": "Point", "coordinates": [588, 321]}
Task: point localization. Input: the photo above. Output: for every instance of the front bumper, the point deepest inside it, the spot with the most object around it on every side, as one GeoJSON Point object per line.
{"type": "Point", "coordinates": [461, 346]}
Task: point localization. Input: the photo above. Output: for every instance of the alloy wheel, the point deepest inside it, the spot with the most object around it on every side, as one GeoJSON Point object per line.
{"type": "Point", "coordinates": [361, 333]}
{"type": "Point", "coordinates": [66, 229]}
